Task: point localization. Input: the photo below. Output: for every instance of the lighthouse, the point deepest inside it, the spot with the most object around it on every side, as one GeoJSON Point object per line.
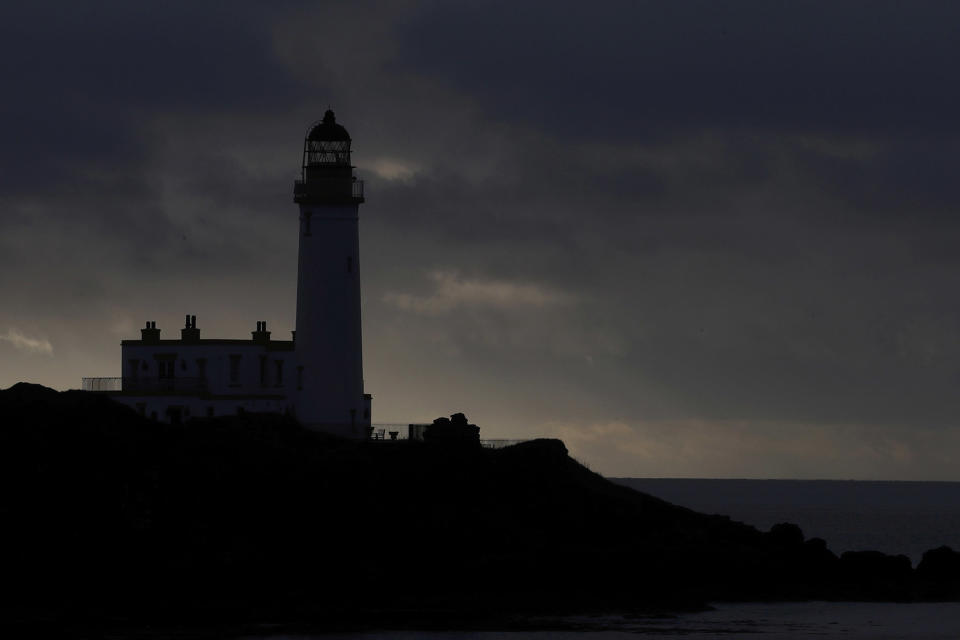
{"type": "Point", "coordinates": [329, 392]}
{"type": "Point", "coordinates": [318, 375]}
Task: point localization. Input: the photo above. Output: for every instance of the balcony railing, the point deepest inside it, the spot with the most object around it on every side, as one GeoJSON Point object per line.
{"type": "Point", "coordinates": [333, 189]}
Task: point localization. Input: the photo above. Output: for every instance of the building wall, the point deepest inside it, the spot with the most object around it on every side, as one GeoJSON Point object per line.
{"type": "Point", "coordinates": [176, 408]}
{"type": "Point", "coordinates": [219, 376]}
{"type": "Point", "coordinates": [328, 343]}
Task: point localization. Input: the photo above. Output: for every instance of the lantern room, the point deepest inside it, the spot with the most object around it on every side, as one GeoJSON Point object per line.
{"type": "Point", "coordinates": [326, 173]}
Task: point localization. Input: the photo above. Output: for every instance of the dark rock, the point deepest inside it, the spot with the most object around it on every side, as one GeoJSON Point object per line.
{"type": "Point", "coordinates": [876, 575]}
{"type": "Point", "coordinates": [941, 564]}
{"type": "Point", "coordinates": [453, 431]}
{"type": "Point", "coordinates": [939, 574]}
{"type": "Point", "coordinates": [786, 534]}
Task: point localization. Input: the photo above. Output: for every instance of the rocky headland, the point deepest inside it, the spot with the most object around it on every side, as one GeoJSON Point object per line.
{"type": "Point", "coordinates": [110, 518]}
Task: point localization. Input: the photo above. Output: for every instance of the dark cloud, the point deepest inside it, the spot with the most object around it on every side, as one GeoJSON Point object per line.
{"type": "Point", "coordinates": [653, 229]}
{"type": "Point", "coordinates": [643, 68]}
{"type": "Point", "coordinates": [81, 80]}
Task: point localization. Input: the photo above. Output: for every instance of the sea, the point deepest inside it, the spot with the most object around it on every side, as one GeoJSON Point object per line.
{"type": "Point", "coordinates": [894, 517]}
{"type": "Point", "coordinates": [851, 515]}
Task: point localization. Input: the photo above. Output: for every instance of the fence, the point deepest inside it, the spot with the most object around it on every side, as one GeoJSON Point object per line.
{"type": "Point", "coordinates": [101, 384]}
{"type": "Point", "coordinates": [500, 443]}
{"type": "Point", "coordinates": [382, 431]}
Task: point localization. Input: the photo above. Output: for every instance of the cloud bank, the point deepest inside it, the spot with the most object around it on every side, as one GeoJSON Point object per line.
{"type": "Point", "coordinates": [26, 344]}
{"type": "Point", "coordinates": [632, 214]}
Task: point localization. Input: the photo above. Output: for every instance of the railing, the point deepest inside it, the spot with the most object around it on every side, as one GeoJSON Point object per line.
{"type": "Point", "coordinates": [386, 431]}
{"type": "Point", "coordinates": [499, 443]}
{"type": "Point", "coordinates": [101, 384]}
{"type": "Point", "coordinates": [381, 431]}
{"type": "Point", "coordinates": [335, 189]}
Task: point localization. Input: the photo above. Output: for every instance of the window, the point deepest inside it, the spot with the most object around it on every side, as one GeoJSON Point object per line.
{"type": "Point", "coordinates": [202, 368]}
{"type": "Point", "coordinates": [263, 371]}
{"type": "Point", "coordinates": [234, 369]}
{"type": "Point", "coordinates": [349, 264]}
{"type": "Point", "coordinates": [183, 365]}
{"type": "Point", "coordinates": [278, 375]}
{"type": "Point", "coordinates": [134, 368]}
{"type": "Point", "coordinates": [165, 368]}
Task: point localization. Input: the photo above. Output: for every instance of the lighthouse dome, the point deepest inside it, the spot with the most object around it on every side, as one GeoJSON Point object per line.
{"type": "Point", "coordinates": [328, 130]}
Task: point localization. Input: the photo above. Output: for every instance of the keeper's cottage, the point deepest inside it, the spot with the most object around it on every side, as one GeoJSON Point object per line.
{"type": "Point", "coordinates": [318, 375]}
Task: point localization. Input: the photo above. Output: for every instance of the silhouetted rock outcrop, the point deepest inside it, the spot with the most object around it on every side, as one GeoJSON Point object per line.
{"type": "Point", "coordinates": [786, 534]}
{"type": "Point", "coordinates": [453, 431]}
{"type": "Point", "coordinates": [939, 573]}
{"type": "Point", "coordinates": [876, 575]}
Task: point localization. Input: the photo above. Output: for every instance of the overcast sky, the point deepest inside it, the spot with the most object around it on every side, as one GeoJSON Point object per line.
{"type": "Point", "coordinates": [707, 239]}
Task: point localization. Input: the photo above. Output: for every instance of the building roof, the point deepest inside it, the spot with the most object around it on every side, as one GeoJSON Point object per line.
{"type": "Point", "coordinates": [328, 129]}
{"type": "Point", "coordinates": [272, 345]}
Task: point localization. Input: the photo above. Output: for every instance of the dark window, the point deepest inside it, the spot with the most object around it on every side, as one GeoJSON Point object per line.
{"type": "Point", "coordinates": [306, 224]}
{"type": "Point", "coordinates": [263, 371]}
{"type": "Point", "coordinates": [349, 264]}
{"type": "Point", "coordinates": [183, 365]}
{"type": "Point", "coordinates": [134, 368]}
{"type": "Point", "coordinates": [153, 415]}
{"type": "Point", "coordinates": [234, 369]}
{"type": "Point", "coordinates": [144, 366]}
{"type": "Point", "coordinates": [353, 416]}
{"type": "Point", "coordinates": [278, 377]}
{"type": "Point", "coordinates": [366, 414]}
{"type": "Point", "coordinates": [202, 368]}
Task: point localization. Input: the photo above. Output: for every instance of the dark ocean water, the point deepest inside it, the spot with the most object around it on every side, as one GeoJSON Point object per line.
{"type": "Point", "coordinates": [893, 517]}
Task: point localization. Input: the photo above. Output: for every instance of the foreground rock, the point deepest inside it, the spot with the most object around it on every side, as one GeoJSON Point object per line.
{"type": "Point", "coordinates": [109, 516]}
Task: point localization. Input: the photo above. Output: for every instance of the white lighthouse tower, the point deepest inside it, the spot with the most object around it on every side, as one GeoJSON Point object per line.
{"type": "Point", "coordinates": [327, 346]}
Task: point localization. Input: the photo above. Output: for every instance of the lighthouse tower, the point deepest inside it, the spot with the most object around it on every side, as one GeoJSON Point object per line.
{"type": "Point", "coordinates": [327, 346]}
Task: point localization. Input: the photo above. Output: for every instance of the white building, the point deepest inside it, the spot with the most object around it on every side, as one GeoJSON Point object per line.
{"type": "Point", "coordinates": [317, 376]}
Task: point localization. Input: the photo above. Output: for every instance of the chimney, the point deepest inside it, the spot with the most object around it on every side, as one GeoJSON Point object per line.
{"type": "Point", "coordinates": [190, 333]}
{"type": "Point", "coordinates": [150, 333]}
{"type": "Point", "coordinates": [261, 335]}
